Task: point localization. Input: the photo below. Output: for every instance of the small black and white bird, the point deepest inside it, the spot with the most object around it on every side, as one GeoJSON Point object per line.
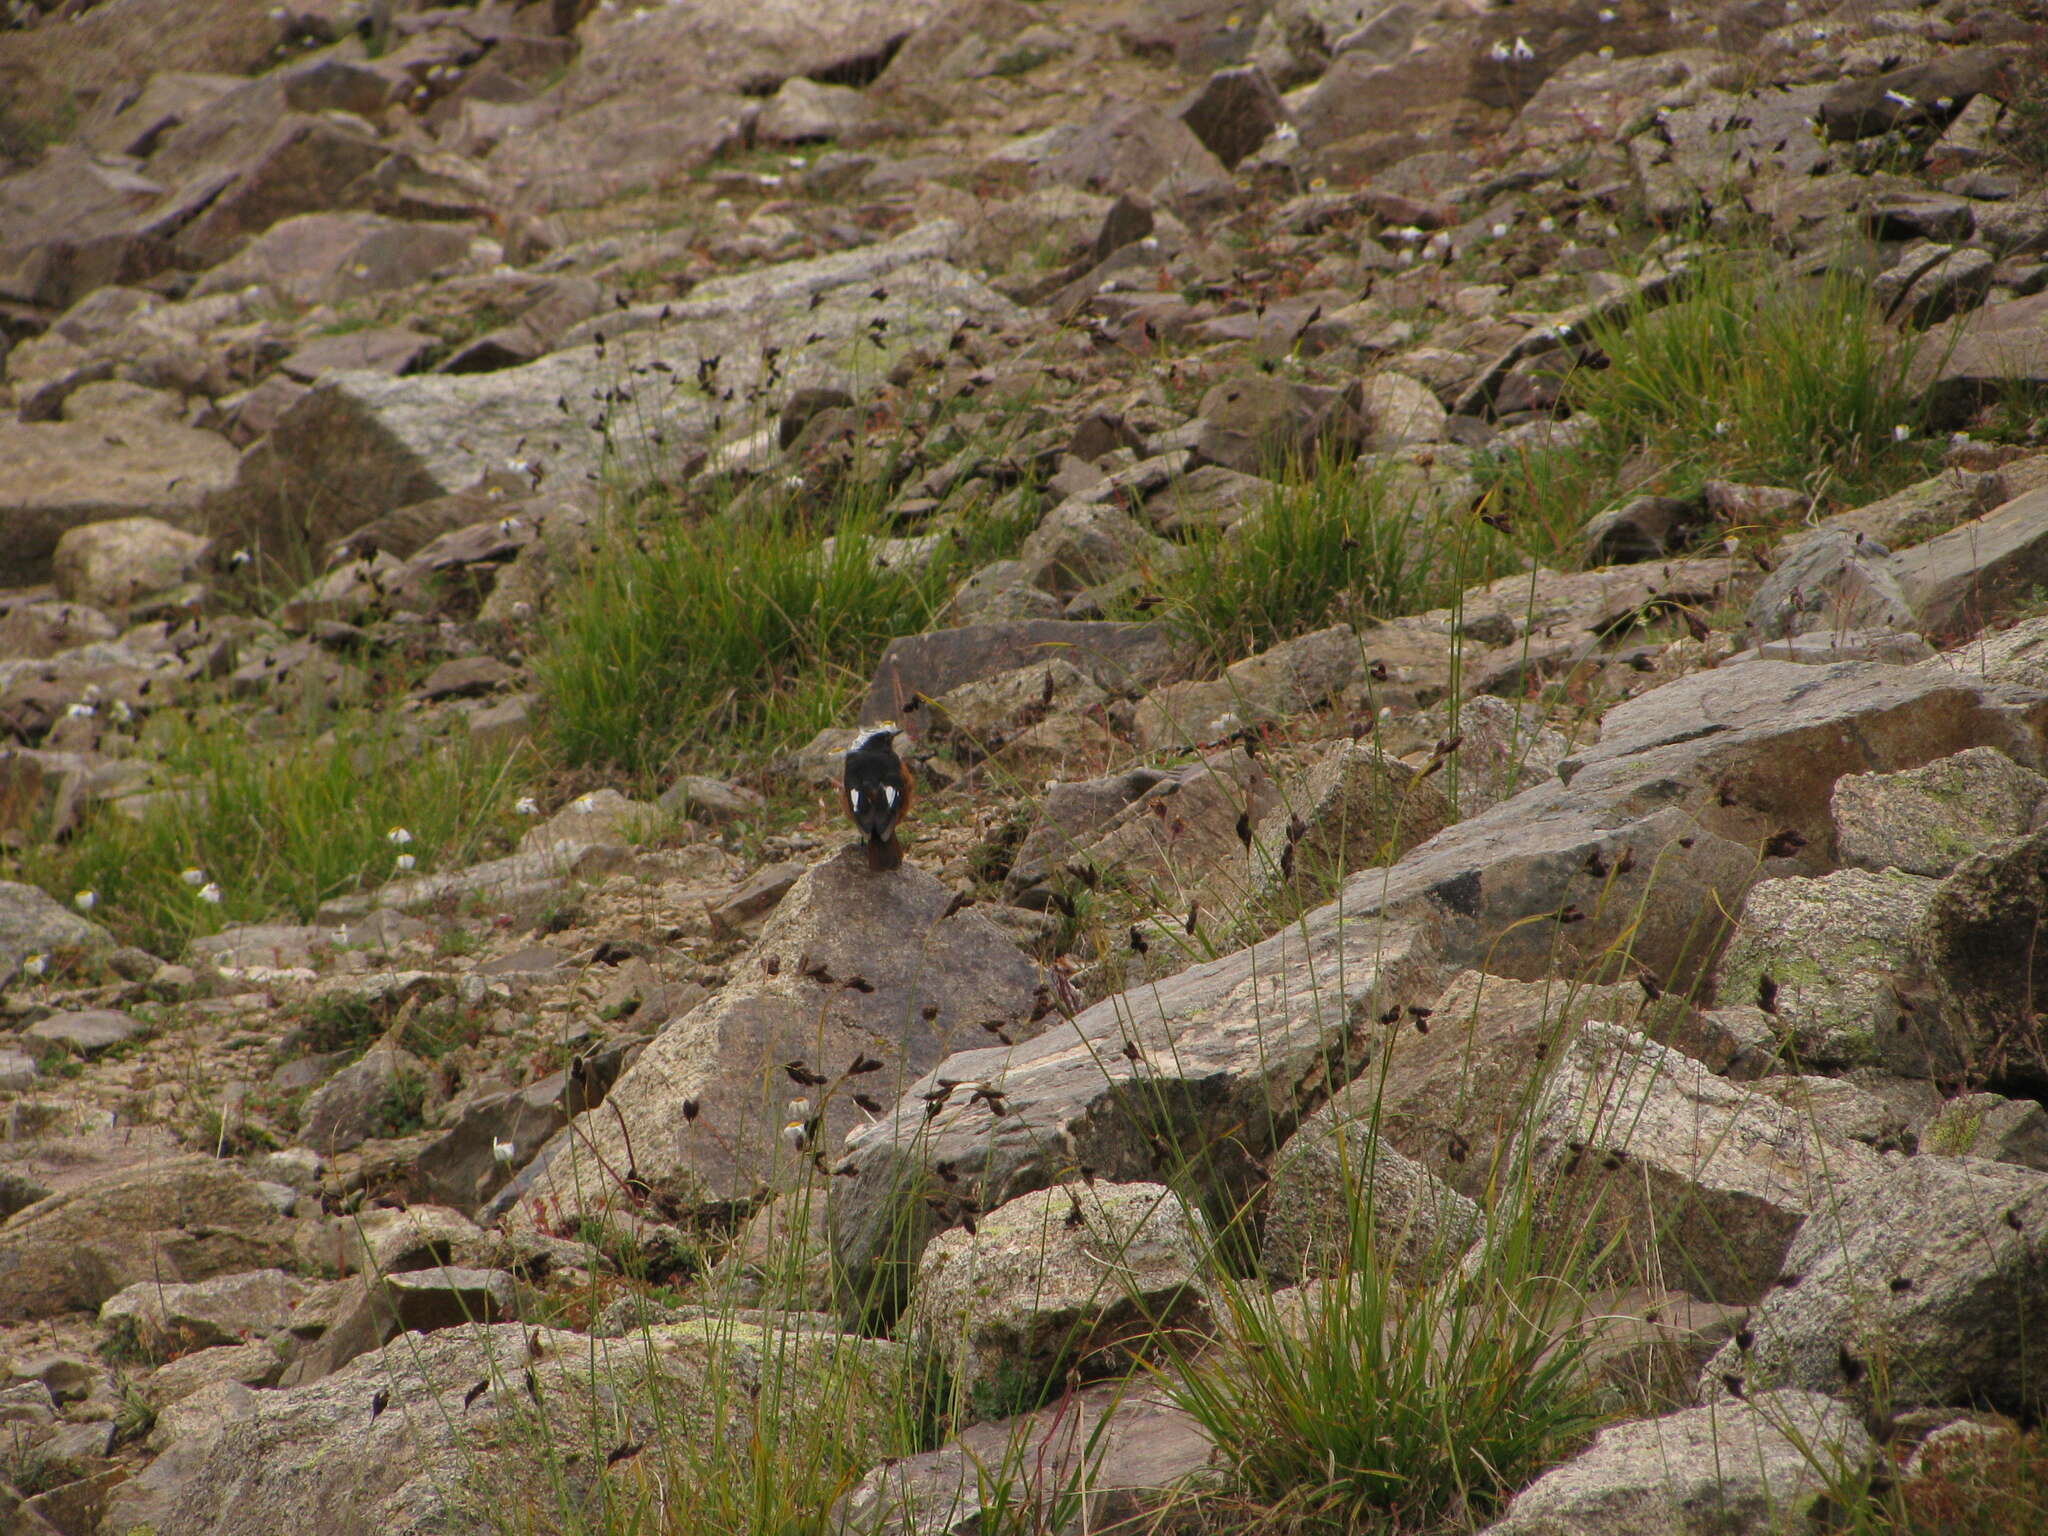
{"type": "Point", "coordinates": [878, 788]}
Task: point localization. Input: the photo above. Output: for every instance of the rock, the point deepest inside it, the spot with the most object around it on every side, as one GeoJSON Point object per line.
{"type": "Point", "coordinates": [1182, 849]}
{"type": "Point", "coordinates": [68, 474]}
{"type": "Point", "coordinates": [1927, 820]}
{"type": "Point", "coordinates": [424, 1300]}
{"type": "Point", "coordinates": [980, 716]}
{"type": "Point", "coordinates": [805, 112]}
{"type": "Point", "coordinates": [33, 631]}
{"type": "Point", "coordinates": [1738, 1469]}
{"type": "Point", "coordinates": [1083, 544]}
{"type": "Point", "coordinates": [331, 258]}
{"type": "Point", "coordinates": [1129, 147]}
{"type": "Point", "coordinates": [1119, 657]}
{"type": "Point", "coordinates": [1833, 580]}
{"type": "Point", "coordinates": [362, 1101]}
{"type": "Point", "coordinates": [1963, 364]}
{"type": "Point", "coordinates": [1233, 112]}
{"type": "Point", "coordinates": [1976, 940]}
{"type": "Point", "coordinates": [1335, 1171]}
{"type": "Point", "coordinates": [1921, 1281]}
{"type": "Point", "coordinates": [1107, 1456]}
{"type": "Point", "coordinates": [1689, 1175]}
{"type": "Point", "coordinates": [112, 564]}
{"type": "Point", "coordinates": [386, 349]}
{"type": "Point", "coordinates": [849, 968]}
{"type": "Point", "coordinates": [174, 1319]}
{"type": "Point", "coordinates": [1253, 423]}
{"type": "Point", "coordinates": [1645, 528]}
{"type": "Point", "coordinates": [1923, 509]}
{"type": "Point", "coordinates": [1203, 1057]}
{"type": "Point", "coordinates": [1932, 281]}
{"type": "Point", "coordinates": [1992, 1127]}
{"type": "Point", "coordinates": [1833, 962]}
{"type": "Point", "coordinates": [461, 1167]}
{"type": "Point", "coordinates": [1290, 678]}
{"type": "Point", "coordinates": [369, 442]}
{"type": "Point", "coordinates": [466, 677]}
{"type": "Point", "coordinates": [1500, 749]}
{"type": "Point", "coordinates": [1961, 581]}
{"type": "Point", "coordinates": [33, 923]}
{"type": "Point", "coordinates": [759, 893]}
{"type": "Point", "coordinates": [1034, 1292]}
{"type": "Point", "coordinates": [186, 1219]}
{"type": "Point", "coordinates": [1355, 807]}
{"type": "Point", "coordinates": [1933, 92]}
{"type": "Point", "coordinates": [85, 1033]}
{"type": "Point", "coordinates": [1401, 411]}
{"type": "Point", "coordinates": [1070, 816]}
{"type": "Point", "coordinates": [317, 1457]}
{"type": "Point", "coordinates": [248, 1365]}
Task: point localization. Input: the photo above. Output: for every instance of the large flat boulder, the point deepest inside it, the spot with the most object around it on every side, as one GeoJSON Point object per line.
{"type": "Point", "coordinates": [362, 442]}
{"type": "Point", "coordinates": [852, 967]}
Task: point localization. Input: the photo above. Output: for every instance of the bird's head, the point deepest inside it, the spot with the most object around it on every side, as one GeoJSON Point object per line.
{"type": "Point", "coordinates": [876, 736]}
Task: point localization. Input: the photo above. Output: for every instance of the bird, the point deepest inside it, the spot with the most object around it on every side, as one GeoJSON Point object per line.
{"type": "Point", "coordinates": [878, 789]}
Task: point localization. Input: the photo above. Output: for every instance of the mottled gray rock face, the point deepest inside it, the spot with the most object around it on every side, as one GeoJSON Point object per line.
{"type": "Point", "coordinates": [1929, 819]}
{"type": "Point", "coordinates": [1832, 580]}
{"type": "Point", "coordinates": [1222, 1057]}
{"type": "Point", "coordinates": [1755, 1468]}
{"type": "Point", "coordinates": [1977, 941]}
{"type": "Point", "coordinates": [1989, 1126]}
{"type": "Point", "coordinates": [373, 442]}
{"type": "Point", "coordinates": [851, 967]}
{"type": "Point", "coordinates": [32, 923]}
{"type": "Point", "coordinates": [1832, 962]}
{"type": "Point", "coordinates": [223, 1310]}
{"type": "Point", "coordinates": [1923, 1282]}
{"type": "Point", "coordinates": [1355, 807]}
{"type": "Point", "coordinates": [1965, 579]}
{"type": "Point", "coordinates": [362, 1100]}
{"type": "Point", "coordinates": [1070, 1278]}
{"type": "Point", "coordinates": [1335, 1171]}
{"type": "Point", "coordinates": [186, 1219]}
{"type": "Point", "coordinates": [324, 1456]}
{"type": "Point", "coordinates": [1103, 1456]}
{"type": "Point", "coordinates": [1272, 685]}
{"type": "Point", "coordinates": [1696, 1178]}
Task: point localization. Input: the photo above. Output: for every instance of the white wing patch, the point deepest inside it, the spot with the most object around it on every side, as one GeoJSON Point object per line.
{"type": "Point", "coordinates": [889, 794]}
{"type": "Point", "coordinates": [859, 802]}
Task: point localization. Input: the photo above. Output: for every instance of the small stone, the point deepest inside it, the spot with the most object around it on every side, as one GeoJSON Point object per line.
{"type": "Point", "coordinates": [86, 1033]}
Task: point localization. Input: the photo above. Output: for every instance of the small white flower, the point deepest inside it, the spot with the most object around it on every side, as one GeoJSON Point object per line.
{"type": "Point", "coordinates": [120, 711]}
{"type": "Point", "coordinates": [1723, 427]}
{"type": "Point", "coordinates": [1287, 133]}
{"type": "Point", "coordinates": [793, 1135]}
{"type": "Point", "coordinates": [1607, 13]}
{"type": "Point", "coordinates": [522, 610]}
{"type": "Point", "coordinates": [1500, 231]}
{"type": "Point", "coordinates": [1731, 544]}
{"type": "Point", "coordinates": [508, 526]}
{"type": "Point", "coordinates": [519, 466]}
{"type": "Point", "coordinates": [586, 806]}
{"type": "Point", "coordinates": [406, 861]}
{"type": "Point", "coordinates": [1149, 243]}
{"type": "Point", "coordinates": [1547, 224]}
{"type": "Point", "coordinates": [210, 893]}
{"type": "Point", "coordinates": [1944, 103]}
{"type": "Point", "coordinates": [1901, 99]}
{"type": "Point", "coordinates": [1522, 53]}
{"type": "Point", "coordinates": [1498, 53]}
{"type": "Point", "coordinates": [85, 901]}
{"type": "Point", "coordinates": [1607, 50]}
{"type": "Point", "coordinates": [194, 876]}
{"type": "Point", "coordinates": [1902, 433]}
{"type": "Point", "coordinates": [398, 836]}
{"type": "Point", "coordinates": [503, 1151]}
{"type": "Point", "coordinates": [35, 965]}
{"type": "Point", "coordinates": [526, 806]}
{"type": "Point", "coordinates": [793, 482]}
{"type": "Point", "coordinates": [80, 711]}
{"type": "Point", "coordinates": [1959, 440]}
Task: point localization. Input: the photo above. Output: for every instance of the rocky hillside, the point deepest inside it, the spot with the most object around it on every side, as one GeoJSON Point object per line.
{"type": "Point", "coordinates": [1464, 586]}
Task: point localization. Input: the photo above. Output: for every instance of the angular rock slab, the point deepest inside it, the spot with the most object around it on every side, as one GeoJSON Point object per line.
{"type": "Point", "coordinates": [1335, 1171]}
{"type": "Point", "coordinates": [1105, 1456]}
{"type": "Point", "coordinates": [324, 1457]}
{"type": "Point", "coordinates": [850, 965]}
{"type": "Point", "coordinates": [1922, 1282]}
{"type": "Point", "coordinates": [1929, 819]}
{"type": "Point", "coordinates": [1960, 581]}
{"type": "Point", "coordinates": [1832, 963]}
{"type": "Point", "coordinates": [362, 443]}
{"type": "Point", "coordinates": [1197, 1075]}
{"type": "Point", "coordinates": [1736, 1469]}
{"type": "Point", "coordinates": [1075, 1278]}
{"type": "Point", "coordinates": [1652, 837]}
{"type": "Point", "coordinates": [1121, 658]}
{"type": "Point", "coordinates": [1701, 1181]}
{"type": "Point", "coordinates": [1978, 941]}
{"type": "Point", "coordinates": [188, 1218]}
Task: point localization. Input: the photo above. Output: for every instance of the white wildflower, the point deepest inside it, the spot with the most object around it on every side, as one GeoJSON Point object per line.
{"type": "Point", "coordinates": [1498, 53]}
{"type": "Point", "coordinates": [85, 901]}
{"type": "Point", "coordinates": [80, 710]}
{"type": "Point", "coordinates": [210, 893]}
{"type": "Point", "coordinates": [405, 862]}
{"type": "Point", "coordinates": [1607, 13]}
{"type": "Point", "coordinates": [238, 559]}
{"type": "Point", "coordinates": [120, 711]}
{"type": "Point", "coordinates": [1607, 50]}
{"type": "Point", "coordinates": [1723, 427]}
{"type": "Point", "coordinates": [1287, 133]}
{"type": "Point", "coordinates": [398, 836]}
{"type": "Point", "coordinates": [1500, 230]}
{"type": "Point", "coordinates": [503, 1151]}
{"type": "Point", "coordinates": [526, 806]}
{"type": "Point", "coordinates": [193, 876]}
{"type": "Point", "coordinates": [1902, 433]}
{"type": "Point", "coordinates": [35, 965]}
{"type": "Point", "coordinates": [1522, 53]}
{"type": "Point", "coordinates": [1901, 99]}
{"type": "Point", "coordinates": [1546, 224]}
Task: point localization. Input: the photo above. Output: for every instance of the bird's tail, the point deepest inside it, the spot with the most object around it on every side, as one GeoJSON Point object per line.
{"type": "Point", "coordinates": [884, 853]}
